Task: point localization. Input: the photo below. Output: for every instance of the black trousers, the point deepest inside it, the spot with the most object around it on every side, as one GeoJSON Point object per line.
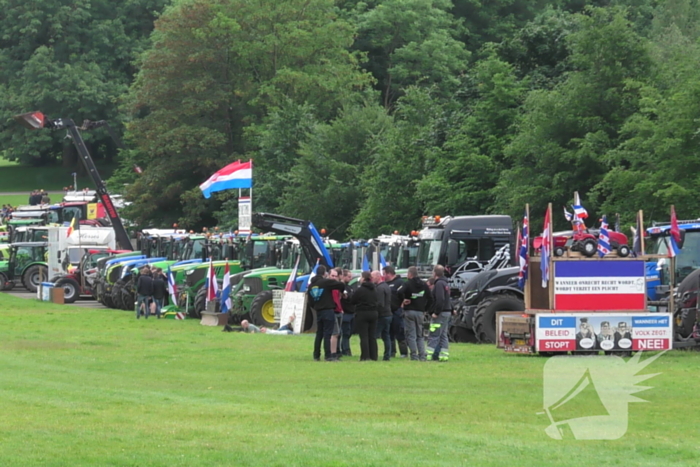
{"type": "Point", "coordinates": [366, 328]}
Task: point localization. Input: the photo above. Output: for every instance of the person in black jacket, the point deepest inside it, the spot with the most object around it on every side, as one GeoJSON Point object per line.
{"type": "Point", "coordinates": [160, 290]}
{"type": "Point", "coordinates": [144, 292]}
{"type": "Point", "coordinates": [438, 342]}
{"type": "Point", "coordinates": [348, 314]}
{"type": "Point", "coordinates": [417, 299]}
{"type": "Point", "coordinates": [365, 301]}
{"type": "Point", "coordinates": [320, 295]}
{"type": "Point", "coordinates": [396, 334]}
{"type": "Point", "coordinates": [383, 312]}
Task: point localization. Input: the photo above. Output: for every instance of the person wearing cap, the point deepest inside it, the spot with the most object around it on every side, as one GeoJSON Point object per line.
{"type": "Point", "coordinates": [585, 332]}
{"type": "Point", "coordinates": [417, 299]}
{"type": "Point", "coordinates": [606, 333]}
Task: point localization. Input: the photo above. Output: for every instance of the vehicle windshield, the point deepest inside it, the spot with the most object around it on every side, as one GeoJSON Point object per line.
{"type": "Point", "coordinates": [74, 255]}
{"type": "Point", "coordinates": [260, 253]}
{"type": "Point", "coordinates": [687, 260]}
{"type": "Point", "coordinates": [429, 252]}
{"type": "Point", "coordinates": [69, 212]}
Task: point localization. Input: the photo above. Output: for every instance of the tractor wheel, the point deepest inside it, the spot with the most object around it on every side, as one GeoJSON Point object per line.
{"type": "Point", "coordinates": [623, 251]}
{"type": "Point", "coordinates": [31, 279]}
{"type": "Point", "coordinates": [3, 281]}
{"type": "Point", "coordinates": [116, 295]}
{"type": "Point", "coordinates": [262, 311]}
{"type": "Point", "coordinates": [589, 247]}
{"type": "Point", "coordinates": [71, 289]}
{"type": "Point", "coordinates": [485, 315]}
{"type": "Point", "coordinates": [559, 251]}
{"type": "Point", "coordinates": [462, 334]}
{"type": "Point", "coordinates": [200, 303]}
{"type": "Point", "coordinates": [685, 322]}
{"type": "Point", "coordinates": [127, 298]}
{"type": "Point", "coordinates": [310, 322]}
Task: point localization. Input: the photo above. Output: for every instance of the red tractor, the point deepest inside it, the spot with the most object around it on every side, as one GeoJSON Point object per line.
{"type": "Point", "coordinates": [79, 280]}
{"type": "Point", "coordinates": [585, 242]}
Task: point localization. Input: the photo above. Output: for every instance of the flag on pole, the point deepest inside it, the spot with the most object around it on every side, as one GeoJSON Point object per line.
{"type": "Point", "coordinates": [546, 249]}
{"type": "Point", "coordinates": [212, 285]}
{"type": "Point", "coordinates": [289, 287]}
{"type": "Point", "coordinates": [172, 288]}
{"type": "Point", "coordinates": [313, 272]}
{"type": "Point", "coordinates": [523, 253]}
{"type": "Point", "coordinates": [579, 210]}
{"type": "Point", "coordinates": [637, 238]}
{"type": "Point", "coordinates": [603, 238]}
{"type": "Point", "coordinates": [675, 237]}
{"type": "Point", "coordinates": [72, 226]}
{"type": "Point", "coordinates": [226, 290]}
{"type": "Point", "coordinates": [568, 215]}
{"type": "Point", "coordinates": [236, 175]}
{"type": "Point", "coordinates": [365, 263]}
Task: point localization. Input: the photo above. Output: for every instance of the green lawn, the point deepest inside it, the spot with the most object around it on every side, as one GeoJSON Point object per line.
{"type": "Point", "coordinates": [18, 178]}
{"type": "Point", "coordinates": [97, 387]}
{"type": "Point", "coordinates": [18, 200]}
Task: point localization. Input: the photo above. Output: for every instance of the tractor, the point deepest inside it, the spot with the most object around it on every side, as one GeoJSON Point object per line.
{"type": "Point", "coordinates": [26, 265]}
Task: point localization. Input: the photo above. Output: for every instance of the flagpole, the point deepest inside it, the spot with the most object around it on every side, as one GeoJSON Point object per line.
{"type": "Point", "coordinates": [641, 226]}
{"type": "Point", "coordinates": [551, 257]}
{"type": "Point", "coordinates": [528, 296]}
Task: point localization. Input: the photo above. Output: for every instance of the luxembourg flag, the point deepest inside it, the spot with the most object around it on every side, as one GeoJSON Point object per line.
{"type": "Point", "coordinates": [172, 288]}
{"type": "Point", "coordinates": [546, 249]}
{"type": "Point", "coordinates": [236, 175]}
{"type": "Point", "coordinates": [603, 238]}
{"type": "Point", "coordinates": [212, 285]}
{"type": "Point", "coordinates": [226, 290]}
{"type": "Point", "coordinates": [313, 272]}
{"type": "Point", "coordinates": [289, 287]}
{"type": "Point", "coordinates": [579, 210]}
{"type": "Point", "coordinates": [675, 237]}
{"type": "Point", "coordinates": [523, 254]}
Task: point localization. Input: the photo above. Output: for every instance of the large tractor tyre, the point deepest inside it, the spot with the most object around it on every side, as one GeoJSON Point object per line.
{"type": "Point", "coordinates": [116, 295]}
{"type": "Point", "coordinates": [3, 281]}
{"type": "Point", "coordinates": [623, 251]}
{"type": "Point", "coordinates": [128, 300]}
{"type": "Point", "coordinates": [310, 320]}
{"type": "Point", "coordinates": [589, 248]}
{"type": "Point", "coordinates": [262, 310]}
{"type": "Point", "coordinates": [485, 315]}
{"type": "Point", "coordinates": [71, 289]}
{"type": "Point", "coordinates": [460, 334]}
{"type": "Point", "coordinates": [200, 303]}
{"type": "Point", "coordinates": [685, 322]}
{"type": "Point", "coordinates": [31, 279]}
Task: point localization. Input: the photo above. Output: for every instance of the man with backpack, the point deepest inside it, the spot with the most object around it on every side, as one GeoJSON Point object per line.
{"type": "Point", "coordinates": [438, 341]}
{"type": "Point", "coordinates": [416, 299]}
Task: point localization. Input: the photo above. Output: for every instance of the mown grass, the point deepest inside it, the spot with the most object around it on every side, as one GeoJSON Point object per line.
{"type": "Point", "coordinates": [97, 387]}
{"type": "Point", "coordinates": [19, 200]}
{"type": "Point", "coordinates": [21, 178]}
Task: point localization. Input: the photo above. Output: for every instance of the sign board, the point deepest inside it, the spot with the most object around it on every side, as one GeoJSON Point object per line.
{"type": "Point", "coordinates": [599, 285]}
{"type": "Point", "coordinates": [245, 207]}
{"type": "Point", "coordinates": [294, 303]}
{"type": "Point", "coordinates": [92, 211]}
{"type": "Point", "coordinates": [277, 296]}
{"type": "Point", "coordinates": [563, 332]}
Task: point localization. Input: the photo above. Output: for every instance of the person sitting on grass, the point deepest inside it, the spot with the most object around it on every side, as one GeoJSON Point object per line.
{"type": "Point", "coordinates": [253, 329]}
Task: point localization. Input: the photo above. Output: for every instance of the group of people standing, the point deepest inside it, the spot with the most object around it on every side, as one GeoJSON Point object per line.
{"type": "Point", "coordinates": [151, 290]}
{"type": "Point", "coordinates": [381, 306]}
{"type": "Point", "coordinates": [39, 197]}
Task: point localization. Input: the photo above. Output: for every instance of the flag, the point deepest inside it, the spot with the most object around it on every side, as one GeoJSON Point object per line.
{"type": "Point", "coordinates": [172, 288]}
{"type": "Point", "coordinates": [579, 210]}
{"type": "Point", "coordinates": [212, 285]}
{"type": "Point", "coordinates": [226, 290]}
{"type": "Point", "coordinates": [236, 175]}
{"type": "Point", "coordinates": [568, 215]}
{"type": "Point", "coordinates": [313, 272]}
{"type": "Point", "coordinates": [637, 238]}
{"type": "Point", "coordinates": [675, 237]}
{"type": "Point", "coordinates": [138, 169]}
{"type": "Point", "coordinates": [603, 238]}
{"type": "Point", "coordinates": [72, 226]}
{"type": "Point", "coordinates": [546, 249]}
{"type": "Point", "coordinates": [365, 263]}
{"type": "Point", "coordinates": [523, 253]}
{"type": "Point", "coordinates": [292, 277]}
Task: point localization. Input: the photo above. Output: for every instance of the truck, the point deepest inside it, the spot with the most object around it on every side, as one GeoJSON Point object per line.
{"type": "Point", "coordinates": [66, 250]}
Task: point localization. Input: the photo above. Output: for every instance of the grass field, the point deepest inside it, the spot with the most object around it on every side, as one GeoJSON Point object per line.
{"type": "Point", "coordinates": [18, 178]}
{"type": "Point", "coordinates": [97, 387]}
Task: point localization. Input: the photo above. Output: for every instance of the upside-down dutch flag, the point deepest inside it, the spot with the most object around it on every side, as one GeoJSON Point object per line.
{"type": "Point", "coordinates": [236, 175]}
{"type": "Point", "coordinates": [579, 210]}
{"type": "Point", "coordinates": [603, 238]}
{"type": "Point", "coordinates": [675, 237]}
{"type": "Point", "coordinates": [313, 272]}
{"type": "Point", "coordinates": [212, 285]}
{"type": "Point", "coordinates": [546, 249]}
{"type": "Point", "coordinates": [226, 290]}
{"type": "Point", "coordinates": [568, 215]}
{"type": "Point", "coordinates": [523, 253]}
{"type": "Point", "coordinates": [289, 287]}
{"type": "Point", "coordinates": [172, 288]}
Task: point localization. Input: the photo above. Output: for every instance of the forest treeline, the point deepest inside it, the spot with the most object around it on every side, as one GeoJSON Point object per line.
{"type": "Point", "coordinates": [364, 116]}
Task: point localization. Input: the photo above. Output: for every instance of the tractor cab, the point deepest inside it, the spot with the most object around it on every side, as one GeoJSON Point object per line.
{"type": "Point", "coordinates": [26, 265]}
{"type": "Point", "coordinates": [657, 242]}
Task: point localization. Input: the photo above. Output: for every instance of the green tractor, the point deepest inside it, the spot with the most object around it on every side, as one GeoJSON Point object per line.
{"type": "Point", "coordinates": [26, 265]}
{"type": "Point", "coordinates": [108, 273]}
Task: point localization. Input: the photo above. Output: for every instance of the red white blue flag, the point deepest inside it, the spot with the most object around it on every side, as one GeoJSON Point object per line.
{"type": "Point", "coordinates": [313, 272]}
{"type": "Point", "coordinates": [212, 285]}
{"type": "Point", "coordinates": [289, 287]}
{"type": "Point", "coordinates": [603, 238]}
{"type": "Point", "coordinates": [675, 237]}
{"type": "Point", "coordinates": [172, 288]}
{"type": "Point", "coordinates": [546, 249]}
{"type": "Point", "coordinates": [579, 210]}
{"type": "Point", "coordinates": [600, 285]}
{"type": "Point", "coordinates": [226, 290]}
{"type": "Point", "coordinates": [523, 253]}
{"type": "Point", "coordinates": [236, 175]}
